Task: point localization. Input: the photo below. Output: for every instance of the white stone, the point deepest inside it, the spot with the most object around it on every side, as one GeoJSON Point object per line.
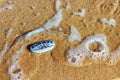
{"type": "Point", "coordinates": [41, 47]}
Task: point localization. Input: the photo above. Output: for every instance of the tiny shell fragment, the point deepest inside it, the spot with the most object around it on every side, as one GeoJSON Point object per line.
{"type": "Point", "coordinates": [42, 46]}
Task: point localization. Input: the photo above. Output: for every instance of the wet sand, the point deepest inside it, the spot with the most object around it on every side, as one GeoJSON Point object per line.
{"type": "Point", "coordinates": [27, 15]}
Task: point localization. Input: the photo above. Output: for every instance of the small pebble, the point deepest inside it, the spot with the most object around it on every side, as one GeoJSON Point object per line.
{"type": "Point", "coordinates": [23, 24]}
{"type": "Point", "coordinates": [33, 7]}
{"type": "Point", "coordinates": [8, 31]}
{"type": "Point", "coordinates": [60, 29]}
{"type": "Point", "coordinates": [37, 14]}
{"type": "Point", "coordinates": [42, 46]}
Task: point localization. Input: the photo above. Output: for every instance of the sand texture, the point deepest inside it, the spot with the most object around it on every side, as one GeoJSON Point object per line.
{"type": "Point", "coordinates": [23, 22]}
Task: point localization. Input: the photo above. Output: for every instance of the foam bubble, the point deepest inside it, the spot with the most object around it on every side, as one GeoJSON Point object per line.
{"type": "Point", "coordinates": [77, 54]}
{"type": "Point", "coordinates": [100, 48]}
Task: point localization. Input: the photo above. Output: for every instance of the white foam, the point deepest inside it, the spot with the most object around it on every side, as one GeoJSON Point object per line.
{"type": "Point", "coordinates": [74, 58]}
{"type": "Point", "coordinates": [38, 30]}
{"type": "Point", "coordinates": [74, 35]}
{"type": "Point", "coordinates": [81, 13]}
{"type": "Point", "coordinates": [9, 7]}
{"type": "Point", "coordinates": [14, 70]}
{"type": "Point", "coordinates": [3, 51]}
{"type": "Point", "coordinates": [101, 39]}
{"type": "Point", "coordinates": [57, 5]}
{"type": "Point", "coordinates": [104, 20]}
{"type": "Point", "coordinates": [115, 56]}
{"type": "Point", "coordinates": [1, 9]}
{"type": "Point", "coordinates": [110, 21]}
{"type": "Point", "coordinates": [53, 22]}
{"type": "Point", "coordinates": [6, 7]}
{"type": "Point", "coordinates": [83, 50]}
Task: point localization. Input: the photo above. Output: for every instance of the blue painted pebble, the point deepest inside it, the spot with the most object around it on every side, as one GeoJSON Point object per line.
{"type": "Point", "coordinates": [42, 46]}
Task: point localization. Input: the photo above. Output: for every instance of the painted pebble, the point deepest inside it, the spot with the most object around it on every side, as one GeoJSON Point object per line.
{"type": "Point", "coordinates": [42, 46]}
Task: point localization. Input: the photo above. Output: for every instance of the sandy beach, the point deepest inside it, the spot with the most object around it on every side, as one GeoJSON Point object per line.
{"type": "Point", "coordinates": [24, 22]}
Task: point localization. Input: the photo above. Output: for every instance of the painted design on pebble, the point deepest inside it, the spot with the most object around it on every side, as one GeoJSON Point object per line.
{"type": "Point", "coordinates": [42, 46]}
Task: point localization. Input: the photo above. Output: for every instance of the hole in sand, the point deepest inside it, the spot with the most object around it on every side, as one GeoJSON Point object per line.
{"type": "Point", "coordinates": [96, 47]}
{"type": "Point", "coordinates": [78, 54]}
{"type": "Point", "coordinates": [73, 60]}
{"type": "Point", "coordinates": [17, 70]}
